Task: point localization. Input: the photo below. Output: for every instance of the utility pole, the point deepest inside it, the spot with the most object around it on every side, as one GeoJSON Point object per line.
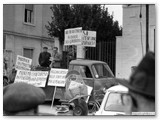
{"type": "Point", "coordinates": [147, 26]}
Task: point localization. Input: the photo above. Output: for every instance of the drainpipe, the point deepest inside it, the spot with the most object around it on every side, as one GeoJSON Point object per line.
{"type": "Point", "coordinates": [147, 27]}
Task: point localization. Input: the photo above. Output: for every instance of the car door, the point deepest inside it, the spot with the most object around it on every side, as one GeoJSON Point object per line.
{"type": "Point", "coordinates": [104, 79]}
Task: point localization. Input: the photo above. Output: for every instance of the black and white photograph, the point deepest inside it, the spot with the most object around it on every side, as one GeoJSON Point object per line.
{"type": "Point", "coordinates": [79, 59]}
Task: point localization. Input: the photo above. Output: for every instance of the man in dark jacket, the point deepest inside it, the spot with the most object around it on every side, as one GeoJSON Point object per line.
{"type": "Point", "coordinates": [44, 58]}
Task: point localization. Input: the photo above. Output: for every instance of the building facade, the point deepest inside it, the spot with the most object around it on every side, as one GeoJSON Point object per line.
{"type": "Point", "coordinates": [131, 47]}
{"type": "Point", "coordinates": [24, 31]}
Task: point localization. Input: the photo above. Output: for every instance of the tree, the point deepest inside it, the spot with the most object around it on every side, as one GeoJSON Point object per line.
{"type": "Point", "coordinates": [90, 17]}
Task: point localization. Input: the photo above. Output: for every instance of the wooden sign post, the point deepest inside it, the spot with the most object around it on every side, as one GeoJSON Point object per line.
{"type": "Point", "coordinates": [57, 78]}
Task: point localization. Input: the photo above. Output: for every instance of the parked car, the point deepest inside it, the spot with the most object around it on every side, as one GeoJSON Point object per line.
{"type": "Point", "coordinates": [112, 102]}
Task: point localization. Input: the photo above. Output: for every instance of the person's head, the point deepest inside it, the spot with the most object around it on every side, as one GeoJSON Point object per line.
{"type": "Point", "coordinates": [55, 49]}
{"type": "Point", "coordinates": [45, 49]}
{"type": "Point", "coordinates": [141, 97]}
{"type": "Point", "coordinates": [22, 99]}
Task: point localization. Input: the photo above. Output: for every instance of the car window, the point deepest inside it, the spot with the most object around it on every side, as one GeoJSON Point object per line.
{"type": "Point", "coordinates": [101, 71]}
{"type": "Point", "coordinates": [83, 70]}
{"type": "Point", "coordinates": [114, 102]}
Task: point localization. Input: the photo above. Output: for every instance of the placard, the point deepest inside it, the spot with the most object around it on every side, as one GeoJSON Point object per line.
{"type": "Point", "coordinates": [38, 78]}
{"type": "Point", "coordinates": [57, 77]}
{"type": "Point", "coordinates": [22, 76]}
{"type": "Point", "coordinates": [23, 63]}
{"type": "Point", "coordinates": [89, 38]}
{"type": "Point", "coordinates": [73, 36]}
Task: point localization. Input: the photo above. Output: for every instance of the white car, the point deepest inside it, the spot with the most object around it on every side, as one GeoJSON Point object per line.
{"type": "Point", "coordinates": [112, 102]}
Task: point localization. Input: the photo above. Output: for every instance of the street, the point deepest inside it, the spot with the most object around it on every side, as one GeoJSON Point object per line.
{"type": "Point", "coordinates": [45, 109]}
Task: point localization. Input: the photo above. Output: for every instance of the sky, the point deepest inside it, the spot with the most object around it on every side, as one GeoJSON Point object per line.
{"type": "Point", "coordinates": [117, 12]}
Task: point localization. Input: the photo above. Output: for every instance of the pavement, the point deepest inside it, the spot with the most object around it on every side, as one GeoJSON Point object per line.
{"type": "Point", "coordinates": [46, 109]}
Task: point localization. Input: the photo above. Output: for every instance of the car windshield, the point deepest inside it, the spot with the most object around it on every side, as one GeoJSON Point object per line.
{"type": "Point", "coordinates": [83, 70]}
{"type": "Point", "coordinates": [114, 102]}
{"type": "Point", "coordinates": [101, 71]}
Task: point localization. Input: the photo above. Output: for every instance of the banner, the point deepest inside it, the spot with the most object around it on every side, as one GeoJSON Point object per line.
{"type": "Point", "coordinates": [23, 63]}
{"type": "Point", "coordinates": [89, 38]}
{"type": "Point", "coordinates": [57, 77]}
{"type": "Point", "coordinates": [36, 78]}
{"type": "Point", "coordinates": [73, 36]}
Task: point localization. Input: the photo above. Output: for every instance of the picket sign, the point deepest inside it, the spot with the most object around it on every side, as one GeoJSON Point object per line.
{"type": "Point", "coordinates": [22, 76]}
{"type": "Point", "coordinates": [73, 36]}
{"type": "Point", "coordinates": [36, 78]}
{"type": "Point", "coordinates": [23, 63]}
{"type": "Point", "coordinates": [77, 36]}
{"type": "Point", "coordinates": [57, 78]}
{"type": "Point", "coordinates": [89, 38]}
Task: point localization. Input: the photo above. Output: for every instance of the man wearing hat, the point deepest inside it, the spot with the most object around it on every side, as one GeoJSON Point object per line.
{"type": "Point", "coordinates": [141, 97]}
{"type": "Point", "coordinates": [22, 99]}
{"type": "Point", "coordinates": [44, 58]}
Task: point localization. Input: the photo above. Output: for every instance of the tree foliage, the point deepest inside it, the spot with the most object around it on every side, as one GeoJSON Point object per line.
{"type": "Point", "coordinates": [90, 17]}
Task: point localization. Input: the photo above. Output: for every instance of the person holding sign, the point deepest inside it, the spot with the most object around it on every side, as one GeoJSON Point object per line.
{"type": "Point", "coordinates": [44, 58]}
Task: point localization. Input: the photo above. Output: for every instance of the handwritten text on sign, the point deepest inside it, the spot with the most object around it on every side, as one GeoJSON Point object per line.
{"type": "Point", "coordinates": [73, 36]}
{"type": "Point", "coordinates": [57, 77]}
{"type": "Point", "coordinates": [89, 38]}
{"type": "Point", "coordinates": [22, 76]}
{"type": "Point", "coordinates": [23, 63]}
{"type": "Point", "coordinates": [36, 78]}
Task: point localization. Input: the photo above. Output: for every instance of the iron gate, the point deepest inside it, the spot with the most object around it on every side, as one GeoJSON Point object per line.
{"type": "Point", "coordinates": [104, 51]}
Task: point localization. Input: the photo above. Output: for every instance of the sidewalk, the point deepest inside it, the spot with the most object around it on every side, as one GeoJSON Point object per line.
{"type": "Point", "coordinates": [47, 110]}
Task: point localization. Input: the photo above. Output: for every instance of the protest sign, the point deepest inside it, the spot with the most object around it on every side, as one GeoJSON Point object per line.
{"type": "Point", "coordinates": [23, 63]}
{"type": "Point", "coordinates": [73, 36]}
{"type": "Point", "coordinates": [38, 78]}
{"type": "Point", "coordinates": [89, 38]}
{"type": "Point", "coordinates": [57, 77]}
{"type": "Point", "coordinates": [22, 76]}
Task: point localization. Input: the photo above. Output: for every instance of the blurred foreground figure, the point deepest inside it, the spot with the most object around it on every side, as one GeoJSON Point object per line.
{"type": "Point", "coordinates": [22, 99]}
{"type": "Point", "coordinates": [141, 97]}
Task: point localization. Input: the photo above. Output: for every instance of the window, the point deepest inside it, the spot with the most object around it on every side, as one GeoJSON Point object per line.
{"type": "Point", "coordinates": [101, 71]}
{"type": "Point", "coordinates": [29, 14]}
{"type": "Point", "coordinates": [27, 52]}
{"type": "Point", "coordinates": [83, 70]}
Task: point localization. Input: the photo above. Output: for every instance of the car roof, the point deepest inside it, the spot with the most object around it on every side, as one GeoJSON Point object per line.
{"type": "Point", "coordinates": [118, 88]}
{"type": "Point", "coordinates": [86, 62]}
